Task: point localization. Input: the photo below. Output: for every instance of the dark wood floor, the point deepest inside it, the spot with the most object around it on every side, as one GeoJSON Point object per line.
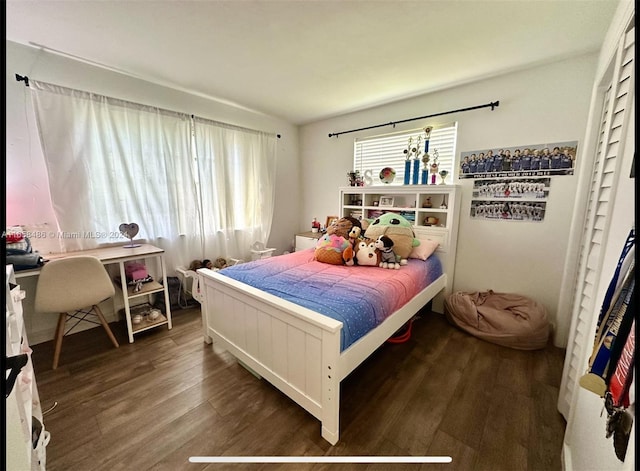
{"type": "Point", "coordinates": [168, 396]}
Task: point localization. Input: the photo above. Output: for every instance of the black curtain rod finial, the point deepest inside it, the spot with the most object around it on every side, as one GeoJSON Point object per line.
{"type": "Point", "coordinates": [23, 78]}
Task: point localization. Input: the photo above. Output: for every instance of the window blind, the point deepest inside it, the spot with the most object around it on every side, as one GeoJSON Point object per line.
{"type": "Point", "coordinates": [387, 150]}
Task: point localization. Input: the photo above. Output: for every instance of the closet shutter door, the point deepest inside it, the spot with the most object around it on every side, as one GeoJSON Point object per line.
{"type": "Point", "coordinates": [616, 102]}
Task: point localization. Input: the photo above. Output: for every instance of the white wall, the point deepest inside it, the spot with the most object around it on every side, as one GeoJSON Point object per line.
{"type": "Point", "coordinates": [27, 195]}
{"type": "Point", "coordinates": [544, 104]}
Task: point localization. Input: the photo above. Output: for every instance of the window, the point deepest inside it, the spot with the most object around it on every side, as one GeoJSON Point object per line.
{"type": "Point", "coordinates": [387, 150]}
{"type": "Point", "coordinates": [196, 187]}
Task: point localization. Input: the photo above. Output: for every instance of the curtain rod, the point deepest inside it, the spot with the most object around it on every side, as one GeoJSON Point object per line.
{"type": "Point", "coordinates": [25, 79]}
{"type": "Point", "coordinates": [493, 105]}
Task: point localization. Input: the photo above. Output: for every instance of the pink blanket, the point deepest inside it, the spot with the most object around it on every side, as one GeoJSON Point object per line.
{"type": "Point", "coordinates": [359, 297]}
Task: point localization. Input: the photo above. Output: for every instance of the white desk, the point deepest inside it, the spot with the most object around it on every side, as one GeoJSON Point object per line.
{"type": "Point", "coordinates": [120, 255]}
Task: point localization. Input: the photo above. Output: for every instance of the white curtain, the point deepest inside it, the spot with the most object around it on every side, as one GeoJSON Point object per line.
{"type": "Point", "coordinates": [237, 168]}
{"type": "Point", "coordinates": [110, 162]}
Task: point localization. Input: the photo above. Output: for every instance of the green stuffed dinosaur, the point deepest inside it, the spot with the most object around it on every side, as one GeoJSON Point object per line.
{"type": "Point", "coordinates": [398, 229]}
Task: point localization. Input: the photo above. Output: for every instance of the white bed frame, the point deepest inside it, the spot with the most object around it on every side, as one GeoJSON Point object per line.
{"type": "Point", "coordinates": [294, 348]}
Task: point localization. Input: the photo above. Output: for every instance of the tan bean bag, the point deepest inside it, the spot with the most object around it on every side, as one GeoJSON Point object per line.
{"type": "Point", "coordinates": [506, 319]}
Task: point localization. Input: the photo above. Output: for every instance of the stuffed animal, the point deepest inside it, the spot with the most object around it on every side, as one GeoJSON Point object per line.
{"type": "Point", "coordinates": [367, 254]}
{"type": "Point", "coordinates": [398, 229]}
{"type": "Point", "coordinates": [343, 226]}
{"type": "Point", "coordinates": [330, 249]}
{"type": "Point", "coordinates": [354, 233]}
{"type": "Point", "coordinates": [220, 263]}
{"type": "Point", "coordinates": [354, 237]}
{"type": "Point", "coordinates": [348, 256]}
{"type": "Point", "coordinates": [388, 257]}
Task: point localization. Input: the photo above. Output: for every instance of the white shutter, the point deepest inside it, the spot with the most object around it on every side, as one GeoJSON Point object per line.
{"type": "Point", "coordinates": [616, 103]}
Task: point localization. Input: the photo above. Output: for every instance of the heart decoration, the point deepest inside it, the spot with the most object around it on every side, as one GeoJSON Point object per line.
{"type": "Point", "coordinates": [129, 230]}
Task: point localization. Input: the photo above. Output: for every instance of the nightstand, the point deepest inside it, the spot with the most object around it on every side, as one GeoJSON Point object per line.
{"type": "Point", "coordinates": [307, 240]}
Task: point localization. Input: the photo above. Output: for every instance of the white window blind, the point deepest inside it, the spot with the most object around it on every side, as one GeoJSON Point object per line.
{"type": "Point", "coordinates": [387, 150]}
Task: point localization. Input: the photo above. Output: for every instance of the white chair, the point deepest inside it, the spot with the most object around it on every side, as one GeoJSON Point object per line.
{"type": "Point", "coordinates": [193, 287]}
{"type": "Point", "coordinates": [259, 250]}
{"type": "Point", "coordinates": [73, 287]}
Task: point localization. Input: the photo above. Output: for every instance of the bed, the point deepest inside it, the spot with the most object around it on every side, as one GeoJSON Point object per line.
{"type": "Point", "coordinates": [304, 325]}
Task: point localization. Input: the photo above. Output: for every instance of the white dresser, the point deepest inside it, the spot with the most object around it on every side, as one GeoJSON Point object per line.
{"type": "Point", "coordinates": [307, 240]}
{"type": "Point", "coordinates": [23, 403]}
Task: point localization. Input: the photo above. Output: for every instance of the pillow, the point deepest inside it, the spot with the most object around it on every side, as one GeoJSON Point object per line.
{"type": "Point", "coordinates": [330, 249]}
{"type": "Point", "coordinates": [424, 250]}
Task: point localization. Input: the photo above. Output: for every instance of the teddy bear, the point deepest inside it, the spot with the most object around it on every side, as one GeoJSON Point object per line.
{"type": "Point", "coordinates": [398, 229]}
{"type": "Point", "coordinates": [195, 264]}
{"type": "Point", "coordinates": [387, 256]}
{"type": "Point", "coordinates": [220, 263]}
{"type": "Point", "coordinates": [367, 254]}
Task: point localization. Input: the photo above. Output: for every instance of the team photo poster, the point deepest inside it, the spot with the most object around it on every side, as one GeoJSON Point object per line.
{"type": "Point", "coordinates": [512, 188]}
{"type": "Point", "coordinates": [538, 160]}
{"type": "Point", "coordinates": [497, 210]}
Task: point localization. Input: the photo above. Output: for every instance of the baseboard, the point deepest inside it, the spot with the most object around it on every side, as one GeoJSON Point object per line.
{"type": "Point", "coordinates": [46, 335]}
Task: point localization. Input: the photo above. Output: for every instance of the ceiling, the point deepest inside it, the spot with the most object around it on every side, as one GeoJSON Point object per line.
{"type": "Point", "coordinates": [306, 60]}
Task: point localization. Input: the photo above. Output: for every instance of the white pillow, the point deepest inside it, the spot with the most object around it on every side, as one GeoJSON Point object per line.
{"type": "Point", "coordinates": [424, 250]}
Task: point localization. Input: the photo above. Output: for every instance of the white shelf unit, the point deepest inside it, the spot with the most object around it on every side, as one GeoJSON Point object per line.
{"type": "Point", "coordinates": [409, 201]}
{"type": "Point", "coordinates": [148, 289]}
{"type": "Point", "coordinates": [23, 404]}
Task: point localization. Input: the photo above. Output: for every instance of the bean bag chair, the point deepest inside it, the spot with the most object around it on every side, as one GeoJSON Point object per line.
{"type": "Point", "coordinates": [506, 319]}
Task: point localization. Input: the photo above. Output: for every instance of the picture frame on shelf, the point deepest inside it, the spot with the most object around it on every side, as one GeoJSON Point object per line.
{"type": "Point", "coordinates": [386, 202]}
{"type": "Point", "coordinates": [330, 219]}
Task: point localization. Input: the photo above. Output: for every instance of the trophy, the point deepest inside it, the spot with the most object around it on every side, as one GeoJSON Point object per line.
{"type": "Point", "coordinates": [407, 163]}
{"type": "Point", "coordinates": [443, 175]}
{"type": "Point", "coordinates": [416, 161]}
{"type": "Point", "coordinates": [425, 167]}
{"type": "Point", "coordinates": [434, 167]}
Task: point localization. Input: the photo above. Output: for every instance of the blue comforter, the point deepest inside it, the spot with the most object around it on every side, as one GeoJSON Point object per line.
{"type": "Point", "coordinates": [359, 297]}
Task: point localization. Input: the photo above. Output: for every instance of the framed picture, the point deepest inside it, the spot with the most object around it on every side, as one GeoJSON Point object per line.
{"type": "Point", "coordinates": [330, 219]}
{"type": "Point", "coordinates": [386, 202]}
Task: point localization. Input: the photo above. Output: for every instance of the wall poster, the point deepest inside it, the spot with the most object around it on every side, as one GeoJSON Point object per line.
{"type": "Point", "coordinates": [508, 210]}
{"type": "Point", "coordinates": [537, 160]}
{"type": "Point", "coordinates": [514, 199]}
{"type": "Point", "coordinates": [513, 188]}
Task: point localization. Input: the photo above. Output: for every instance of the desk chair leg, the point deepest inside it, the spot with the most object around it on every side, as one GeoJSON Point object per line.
{"type": "Point", "coordinates": [106, 326]}
{"type": "Point", "coordinates": [62, 318]}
